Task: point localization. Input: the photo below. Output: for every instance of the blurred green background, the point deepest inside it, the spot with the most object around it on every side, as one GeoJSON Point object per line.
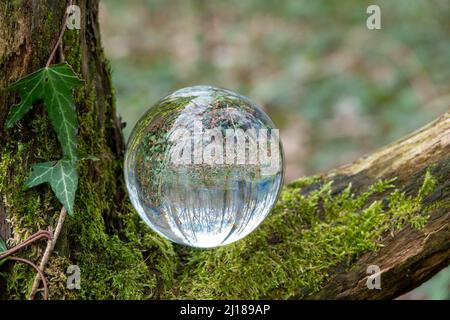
{"type": "Point", "coordinates": [336, 89]}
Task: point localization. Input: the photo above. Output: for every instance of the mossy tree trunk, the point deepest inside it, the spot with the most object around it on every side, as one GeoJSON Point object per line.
{"type": "Point", "coordinates": [390, 209]}
{"type": "Point", "coordinates": [28, 32]}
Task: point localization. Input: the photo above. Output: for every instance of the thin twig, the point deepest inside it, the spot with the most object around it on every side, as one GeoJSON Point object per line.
{"type": "Point", "coordinates": [51, 243]}
{"type": "Point", "coordinates": [61, 52]}
{"type": "Point", "coordinates": [58, 42]}
{"type": "Point", "coordinates": [38, 235]}
{"type": "Point", "coordinates": [33, 238]}
{"type": "Point", "coordinates": [39, 272]}
{"type": "Point", "coordinates": [48, 251]}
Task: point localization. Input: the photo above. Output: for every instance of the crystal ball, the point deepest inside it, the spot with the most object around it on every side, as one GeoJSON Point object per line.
{"type": "Point", "coordinates": [204, 166]}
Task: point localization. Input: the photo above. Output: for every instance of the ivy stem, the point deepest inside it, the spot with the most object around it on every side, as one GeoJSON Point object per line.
{"type": "Point", "coordinates": [38, 235]}
{"type": "Point", "coordinates": [52, 241]}
{"type": "Point", "coordinates": [40, 274]}
{"type": "Point", "coordinates": [59, 41]}
{"type": "Point", "coordinates": [48, 251]}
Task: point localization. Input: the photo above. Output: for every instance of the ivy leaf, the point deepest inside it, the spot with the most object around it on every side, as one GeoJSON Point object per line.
{"type": "Point", "coordinates": [62, 177]}
{"type": "Point", "coordinates": [53, 85]}
{"type": "Point", "coordinates": [2, 245]}
{"type": "Point", "coordinates": [3, 248]}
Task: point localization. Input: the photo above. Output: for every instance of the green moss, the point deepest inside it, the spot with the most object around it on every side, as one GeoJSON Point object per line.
{"type": "Point", "coordinates": [312, 233]}
{"type": "Point", "coordinates": [307, 233]}
{"type": "Point", "coordinates": [13, 163]}
{"type": "Point", "coordinates": [304, 236]}
{"type": "Point", "coordinates": [113, 267]}
{"type": "Point", "coordinates": [118, 256]}
{"type": "Point", "coordinates": [73, 51]}
{"type": "Point", "coordinates": [130, 263]}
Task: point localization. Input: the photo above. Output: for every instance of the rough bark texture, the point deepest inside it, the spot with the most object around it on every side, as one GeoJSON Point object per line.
{"type": "Point", "coordinates": [28, 32]}
{"type": "Point", "coordinates": [317, 242]}
{"type": "Point", "coordinates": [412, 256]}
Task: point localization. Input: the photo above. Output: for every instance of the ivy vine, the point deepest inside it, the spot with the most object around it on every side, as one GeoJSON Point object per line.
{"type": "Point", "coordinates": [52, 85]}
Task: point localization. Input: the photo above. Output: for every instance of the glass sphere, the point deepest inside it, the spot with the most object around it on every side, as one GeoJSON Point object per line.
{"type": "Point", "coordinates": [204, 166]}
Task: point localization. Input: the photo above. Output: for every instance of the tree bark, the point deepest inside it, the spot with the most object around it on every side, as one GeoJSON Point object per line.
{"type": "Point", "coordinates": [411, 257]}
{"type": "Point", "coordinates": [28, 32]}
{"type": "Point", "coordinates": [120, 258]}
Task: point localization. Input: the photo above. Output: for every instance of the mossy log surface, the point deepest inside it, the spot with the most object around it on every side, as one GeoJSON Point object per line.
{"type": "Point", "coordinates": [408, 257]}
{"type": "Point", "coordinates": [389, 209]}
